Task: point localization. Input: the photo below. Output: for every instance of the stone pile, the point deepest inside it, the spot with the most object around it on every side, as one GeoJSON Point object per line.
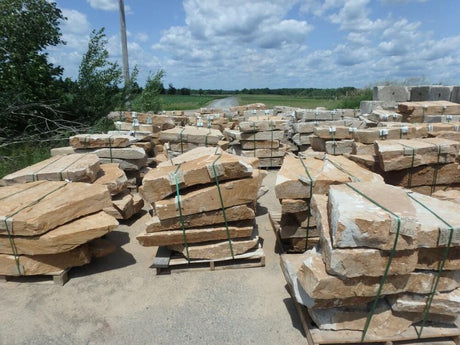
{"type": "Point", "coordinates": [429, 111]}
{"type": "Point", "coordinates": [215, 120]}
{"type": "Point", "coordinates": [261, 137]}
{"type": "Point", "coordinates": [240, 109]}
{"type": "Point", "coordinates": [203, 207]}
{"type": "Point", "coordinates": [50, 226]}
{"type": "Point", "coordinates": [179, 140]}
{"type": "Point", "coordinates": [297, 180]}
{"type": "Point", "coordinates": [349, 278]}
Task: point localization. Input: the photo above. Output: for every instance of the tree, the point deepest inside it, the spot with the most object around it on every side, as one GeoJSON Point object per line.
{"type": "Point", "coordinates": [27, 80]}
{"type": "Point", "coordinates": [150, 99]}
{"type": "Point", "coordinates": [98, 80]}
{"type": "Point", "coordinates": [171, 89]}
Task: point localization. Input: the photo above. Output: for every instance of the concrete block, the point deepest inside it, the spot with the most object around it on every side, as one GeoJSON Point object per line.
{"type": "Point", "coordinates": [419, 93]}
{"type": "Point", "coordinates": [396, 93]}
{"type": "Point", "coordinates": [366, 107]}
{"type": "Point", "coordinates": [455, 94]}
{"type": "Point", "coordinates": [440, 93]}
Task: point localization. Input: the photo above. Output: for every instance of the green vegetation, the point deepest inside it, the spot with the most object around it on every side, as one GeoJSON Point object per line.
{"type": "Point", "coordinates": [180, 102]}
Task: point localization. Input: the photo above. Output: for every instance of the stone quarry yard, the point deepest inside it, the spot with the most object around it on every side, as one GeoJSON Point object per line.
{"type": "Point", "coordinates": [118, 299]}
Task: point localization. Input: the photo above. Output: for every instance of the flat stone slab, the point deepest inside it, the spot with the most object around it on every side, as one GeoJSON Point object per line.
{"type": "Point", "coordinates": [294, 205]}
{"type": "Point", "coordinates": [450, 195]}
{"type": "Point", "coordinates": [165, 121]}
{"type": "Point", "coordinates": [318, 115]}
{"type": "Point", "coordinates": [217, 250]}
{"type": "Point", "coordinates": [63, 238]}
{"type": "Point", "coordinates": [188, 134]}
{"type": "Point", "coordinates": [302, 138]}
{"type": "Point", "coordinates": [309, 127]}
{"type": "Point", "coordinates": [233, 213]}
{"type": "Point", "coordinates": [236, 192]}
{"type": "Point", "coordinates": [126, 164]}
{"type": "Point", "coordinates": [318, 284]}
{"type": "Point", "coordinates": [370, 135]}
{"type": "Point", "coordinates": [356, 262]}
{"type": "Point", "coordinates": [415, 111]}
{"type": "Point", "coordinates": [161, 182]}
{"type": "Point", "coordinates": [112, 177]}
{"type": "Point", "coordinates": [254, 124]}
{"type": "Point", "coordinates": [264, 135]}
{"type": "Point", "coordinates": [292, 181]}
{"type": "Point", "coordinates": [37, 207]}
{"type": "Point", "coordinates": [86, 141]}
{"type": "Point", "coordinates": [404, 154]}
{"type": "Point", "coordinates": [355, 221]}
{"type": "Point", "coordinates": [424, 175]}
{"type": "Point", "coordinates": [259, 144]}
{"type": "Point", "coordinates": [334, 132]}
{"type": "Point", "coordinates": [382, 115]}
{"type": "Point", "coordinates": [431, 258]}
{"type": "Point", "coordinates": [73, 167]}
{"type": "Point", "coordinates": [266, 153]}
{"type": "Point", "coordinates": [125, 205]}
{"type": "Point", "coordinates": [198, 235]}
{"type": "Point", "coordinates": [128, 126]}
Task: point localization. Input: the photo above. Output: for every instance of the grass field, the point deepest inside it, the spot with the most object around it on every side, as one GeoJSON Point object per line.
{"type": "Point", "coordinates": [179, 102]}
{"type": "Point", "coordinates": [293, 101]}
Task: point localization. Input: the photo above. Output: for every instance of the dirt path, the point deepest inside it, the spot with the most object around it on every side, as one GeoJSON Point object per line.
{"type": "Point", "coordinates": [119, 300]}
{"type": "Point", "coordinates": [224, 103]}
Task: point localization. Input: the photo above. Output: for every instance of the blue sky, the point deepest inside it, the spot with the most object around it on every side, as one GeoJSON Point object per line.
{"type": "Point", "coordinates": [235, 44]}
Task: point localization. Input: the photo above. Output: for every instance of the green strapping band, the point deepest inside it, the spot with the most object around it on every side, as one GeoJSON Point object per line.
{"type": "Point", "coordinates": [354, 178]}
{"type": "Point", "coordinates": [390, 259]}
{"type": "Point", "coordinates": [69, 165]}
{"type": "Point", "coordinates": [411, 170]}
{"type": "Point", "coordinates": [21, 191]}
{"type": "Point", "coordinates": [181, 142]}
{"type": "Point", "coordinates": [271, 144]}
{"type": "Point", "coordinates": [309, 202]}
{"type": "Point", "coordinates": [254, 138]}
{"type": "Point", "coordinates": [334, 143]}
{"type": "Point", "coordinates": [222, 205]}
{"type": "Point", "coordinates": [206, 138]}
{"type": "Point", "coordinates": [181, 218]}
{"type": "Point", "coordinates": [435, 173]}
{"type": "Point", "coordinates": [34, 175]}
{"type": "Point", "coordinates": [441, 266]}
{"type": "Point", "coordinates": [110, 148]}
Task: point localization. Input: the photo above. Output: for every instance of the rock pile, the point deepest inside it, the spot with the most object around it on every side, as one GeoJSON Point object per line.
{"type": "Point", "coordinates": [203, 207]}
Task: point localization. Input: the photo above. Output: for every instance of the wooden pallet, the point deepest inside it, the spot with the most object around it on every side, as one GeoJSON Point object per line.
{"type": "Point", "coordinates": [290, 245]}
{"type": "Point", "coordinates": [430, 335]}
{"type": "Point", "coordinates": [59, 278]}
{"type": "Point", "coordinates": [166, 261]}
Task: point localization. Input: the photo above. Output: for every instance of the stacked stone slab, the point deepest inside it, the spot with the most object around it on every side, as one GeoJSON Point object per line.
{"type": "Point", "coordinates": [50, 226]}
{"type": "Point", "coordinates": [296, 182]}
{"type": "Point", "coordinates": [240, 109]}
{"type": "Point", "coordinates": [359, 224]}
{"type": "Point", "coordinates": [179, 140]}
{"type": "Point", "coordinates": [429, 111]}
{"type": "Point", "coordinates": [261, 137]}
{"type": "Point", "coordinates": [196, 215]}
{"type": "Point", "coordinates": [215, 120]}
{"type": "Point", "coordinates": [113, 147]}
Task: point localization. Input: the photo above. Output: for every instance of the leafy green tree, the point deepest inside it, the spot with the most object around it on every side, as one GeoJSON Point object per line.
{"type": "Point", "coordinates": [98, 79]}
{"type": "Point", "coordinates": [27, 80]}
{"type": "Point", "coordinates": [150, 99]}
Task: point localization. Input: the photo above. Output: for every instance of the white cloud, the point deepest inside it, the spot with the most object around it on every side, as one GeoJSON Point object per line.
{"type": "Point", "coordinates": [76, 22]}
{"type": "Point", "coordinates": [107, 5]}
{"type": "Point", "coordinates": [399, 2]}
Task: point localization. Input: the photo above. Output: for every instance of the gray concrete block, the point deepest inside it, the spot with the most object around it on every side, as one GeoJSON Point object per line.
{"type": "Point", "coordinates": [439, 93]}
{"type": "Point", "coordinates": [396, 93]}
{"type": "Point", "coordinates": [455, 94]}
{"type": "Point", "coordinates": [366, 107]}
{"type": "Point", "coordinates": [419, 93]}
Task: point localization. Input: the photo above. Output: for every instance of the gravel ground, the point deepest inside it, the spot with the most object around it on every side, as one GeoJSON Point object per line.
{"type": "Point", "coordinates": [120, 300]}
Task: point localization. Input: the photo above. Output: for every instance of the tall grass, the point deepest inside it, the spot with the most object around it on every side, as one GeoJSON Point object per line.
{"type": "Point", "coordinates": [181, 102]}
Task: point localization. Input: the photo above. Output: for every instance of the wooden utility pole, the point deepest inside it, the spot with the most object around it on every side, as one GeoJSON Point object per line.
{"type": "Point", "coordinates": [124, 46]}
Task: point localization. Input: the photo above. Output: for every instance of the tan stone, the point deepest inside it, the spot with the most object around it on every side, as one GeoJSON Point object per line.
{"type": "Point", "coordinates": [383, 322]}
{"type": "Point", "coordinates": [128, 153]}
{"type": "Point", "coordinates": [217, 250]}
{"type": "Point", "coordinates": [369, 162]}
{"type": "Point", "coordinates": [443, 303]}
{"type": "Point", "coordinates": [160, 182]}
{"type": "Point", "coordinates": [236, 192]}
{"type": "Point", "coordinates": [189, 134]}
{"type": "Point", "coordinates": [363, 149]}
{"type": "Point", "coordinates": [63, 238]}
{"type": "Point", "coordinates": [318, 115]}
{"type": "Point", "coordinates": [449, 195]}
{"type": "Point", "coordinates": [431, 258]}
{"type": "Point", "coordinates": [446, 174]}
{"type": "Point", "coordinates": [294, 205]}
{"type": "Point", "coordinates": [428, 190]}
{"type": "Point", "coordinates": [112, 177]}
{"type": "Point", "coordinates": [125, 206]}
{"type": "Point", "coordinates": [259, 144]}
{"type": "Point", "coordinates": [302, 139]}
{"type": "Point", "coordinates": [382, 115]}
{"type": "Point", "coordinates": [126, 164]}
{"type": "Point", "coordinates": [369, 135]}
{"type": "Point", "coordinates": [36, 207]}
{"type": "Point", "coordinates": [355, 221]}
{"type": "Point", "coordinates": [296, 225]}
{"type": "Point", "coordinates": [264, 135]}
{"type": "Point", "coordinates": [234, 213]}
{"type": "Point", "coordinates": [266, 153]}
{"type": "Point", "coordinates": [317, 283]}
{"type": "Point", "coordinates": [86, 141]}
{"type": "Point", "coordinates": [163, 120]}
{"type": "Point", "coordinates": [415, 111]}
{"type": "Point", "coordinates": [253, 124]}
{"type": "Point", "coordinates": [404, 154]}
{"type": "Point", "coordinates": [337, 132]}
{"type": "Point", "coordinates": [196, 235]}
{"type": "Point", "coordinates": [270, 162]}
{"type": "Point", "coordinates": [292, 181]}
{"type": "Point", "coordinates": [134, 135]}
{"type": "Point", "coordinates": [127, 126]}
{"type": "Point", "coordinates": [73, 167]}
{"type": "Point", "coordinates": [192, 155]}
{"type": "Point", "coordinates": [66, 150]}
{"type": "Point", "coordinates": [351, 263]}
{"type": "Point", "coordinates": [450, 135]}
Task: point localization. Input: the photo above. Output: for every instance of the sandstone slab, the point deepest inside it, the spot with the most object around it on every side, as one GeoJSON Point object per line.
{"type": "Point", "coordinates": [196, 135]}
{"type": "Point", "coordinates": [263, 124]}
{"type": "Point", "coordinates": [259, 144]}
{"type": "Point", "coordinates": [86, 141]}
{"type": "Point", "coordinates": [294, 205]}
{"type": "Point", "coordinates": [112, 177]}
{"type": "Point", "coordinates": [424, 175]}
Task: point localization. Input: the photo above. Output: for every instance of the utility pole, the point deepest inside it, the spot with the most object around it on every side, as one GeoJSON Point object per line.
{"type": "Point", "coordinates": [124, 46]}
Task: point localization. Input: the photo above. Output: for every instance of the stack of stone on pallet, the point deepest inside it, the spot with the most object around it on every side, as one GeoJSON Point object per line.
{"type": "Point", "coordinates": [449, 130]}
{"type": "Point", "coordinates": [51, 226]}
{"type": "Point", "coordinates": [215, 120]}
{"type": "Point", "coordinates": [182, 139]}
{"type": "Point", "coordinates": [198, 228]}
{"type": "Point", "coordinates": [294, 188]}
{"type": "Point", "coordinates": [360, 224]}
{"type": "Point", "coordinates": [430, 111]}
{"type": "Point", "coordinates": [261, 137]}
{"type": "Point", "coordinates": [240, 109]}
{"type": "Point", "coordinates": [423, 165]}
{"type": "Point", "coordinates": [113, 147]}
{"type": "Point", "coordinates": [308, 119]}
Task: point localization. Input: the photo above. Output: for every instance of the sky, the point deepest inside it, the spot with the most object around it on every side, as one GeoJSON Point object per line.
{"type": "Point", "coordinates": [236, 44]}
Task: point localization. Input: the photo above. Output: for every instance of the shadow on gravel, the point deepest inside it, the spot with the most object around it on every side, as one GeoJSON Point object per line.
{"type": "Point", "coordinates": [261, 210]}
{"type": "Point", "coordinates": [118, 259]}
{"type": "Point", "coordinates": [290, 306]}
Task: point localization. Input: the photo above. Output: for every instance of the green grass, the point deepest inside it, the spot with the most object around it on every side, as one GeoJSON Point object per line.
{"type": "Point", "coordinates": [180, 102]}
{"type": "Point", "coordinates": [20, 156]}
{"type": "Point", "coordinates": [292, 101]}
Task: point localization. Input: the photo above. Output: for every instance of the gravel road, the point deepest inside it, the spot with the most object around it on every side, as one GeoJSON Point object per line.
{"type": "Point", "coordinates": [118, 299]}
{"type": "Point", "coordinates": [224, 103]}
